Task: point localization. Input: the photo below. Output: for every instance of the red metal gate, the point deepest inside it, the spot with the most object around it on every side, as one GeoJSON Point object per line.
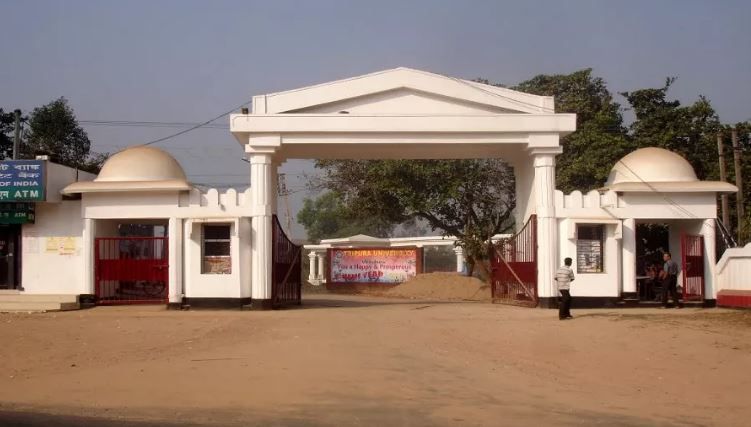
{"type": "Point", "coordinates": [286, 273]}
{"type": "Point", "coordinates": [692, 250]}
{"type": "Point", "coordinates": [513, 263]}
{"type": "Point", "coordinates": [131, 270]}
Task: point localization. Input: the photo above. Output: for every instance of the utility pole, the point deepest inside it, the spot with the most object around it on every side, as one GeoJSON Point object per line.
{"type": "Point", "coordinates": [738, 183]}
{"type": "Point", "coordinates": [17, 134]}
{"type": "Point", "coordinates": [723, 178]}
{"type": "Point", "coordinates": [282, 191]}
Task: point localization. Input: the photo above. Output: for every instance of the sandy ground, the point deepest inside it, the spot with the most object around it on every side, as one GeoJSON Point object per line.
{"type": "Point", "coordinates": [346, 360]}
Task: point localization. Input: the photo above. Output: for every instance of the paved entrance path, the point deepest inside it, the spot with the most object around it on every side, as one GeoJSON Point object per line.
{"type": "Point", "coordinates": [369, 361]}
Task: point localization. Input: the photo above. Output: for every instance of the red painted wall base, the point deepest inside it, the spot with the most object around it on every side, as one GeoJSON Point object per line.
{"type": "Point", "coordinates": [731, 298]}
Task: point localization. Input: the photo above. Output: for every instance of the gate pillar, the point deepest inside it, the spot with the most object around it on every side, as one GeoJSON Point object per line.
{"type": "Point", "coordinates": [89, 234]}
{"type": "Point", "coordinates": [708, 230]}
{"type": "Point", "coordinates": [175, 253]}
{"type": "Point", "coordinates": [628, 257]}
{"type": "Point", "coordinates": [547, 225]}
{"type": "Point", "coordinates": [262, 186]}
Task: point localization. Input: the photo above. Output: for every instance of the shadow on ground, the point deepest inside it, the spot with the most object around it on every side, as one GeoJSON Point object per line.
{"type": "Point", "coordinates": [356, 301]}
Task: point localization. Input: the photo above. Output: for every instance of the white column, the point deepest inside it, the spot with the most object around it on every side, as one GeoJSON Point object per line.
{"type": "Point", "coordinates": [547, 226]}
{"type": "Point", "coordinates": [245, 236]}
{"type": "Point", "coordinates": [629, 257]}
{"type": "Point", "coordinates": [261, 189]}
{"type": "Point", "coordinates": [459, 259]}
{"type": "Point", "coordinates": [708, 230]}
{"type": "Point", "coordinates": [191, 256]}
{"type": "Point", "coordinates": [312, 266]}
{"type": "Point", "coordinates": [89, 234]}
{"type": "Point", "coordinates": [321, 265]}
{"type": "Point", "coordinates": [175, 242]}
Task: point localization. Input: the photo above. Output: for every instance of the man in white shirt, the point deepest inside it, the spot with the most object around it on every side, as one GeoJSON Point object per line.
{"type": "Point", "coordinates": [563, 277]}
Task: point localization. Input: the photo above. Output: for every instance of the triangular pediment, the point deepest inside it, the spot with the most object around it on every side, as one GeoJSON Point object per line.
{"type": "Point", "coordinates": [402, 91]}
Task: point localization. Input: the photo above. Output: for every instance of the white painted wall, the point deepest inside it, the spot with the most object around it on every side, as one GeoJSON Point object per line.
{"type": "Point", "coordinates": [199, 285]}
{"type": "Point", "coordinates": [606, 284]}
{"type": "Point", "coordinates": [49, 272]}
{"type": "Point", "coordinates": [168, 204]}
{"type": "Point", "coordinates": [609, 205]}
{"type": "Point", "coordinates": [59, 177]}
{"type": "Point", "coordinates": [734, 269]}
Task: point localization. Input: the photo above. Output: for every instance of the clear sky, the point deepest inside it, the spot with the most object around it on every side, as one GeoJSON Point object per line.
{"type": "Point", "coordinates": [188, 61]}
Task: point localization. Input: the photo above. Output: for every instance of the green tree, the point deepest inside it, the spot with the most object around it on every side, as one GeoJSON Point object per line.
{"type": "Point", "coordinates": [54, 131]}
{"type": "Point", "coordinates": [743, 130]}
{"type": "Point", "coordinates": [469, 199]}
{"type": "Point", "coordinates": [600, 139]}
{"type": "Point", "coordinates": [688, 130]}
{"type": "Point", "coordinates": [326, 217]}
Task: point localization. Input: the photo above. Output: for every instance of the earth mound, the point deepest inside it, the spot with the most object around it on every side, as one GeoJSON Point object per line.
{"type": "Point", "coordinates": [442, 286]}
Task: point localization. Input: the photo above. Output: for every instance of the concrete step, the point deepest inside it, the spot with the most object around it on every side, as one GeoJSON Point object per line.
{"type": "Point", "coordinates": [635, 303]}
{"type": "Point", "coordinates": [24, 297]}
{"type": "Point", "coordinates": [36, 306]}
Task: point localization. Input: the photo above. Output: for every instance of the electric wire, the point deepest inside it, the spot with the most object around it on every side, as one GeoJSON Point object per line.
{"type": "Point", "coordinates": [199, 125]}
{"type": "Point", "coordinates": [150, 124]}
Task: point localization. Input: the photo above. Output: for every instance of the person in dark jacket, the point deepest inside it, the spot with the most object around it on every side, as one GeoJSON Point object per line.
{"type": "Point", "coordinates": [669, 276]}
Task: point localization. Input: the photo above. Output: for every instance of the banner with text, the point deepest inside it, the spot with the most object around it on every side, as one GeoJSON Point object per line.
{"type": "Point", "coordinates": [378, 266]}
{"type": "Point", "coordinates": [22, 180]}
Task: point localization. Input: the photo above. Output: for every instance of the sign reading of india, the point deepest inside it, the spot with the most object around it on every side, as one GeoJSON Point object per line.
{"type": "Point", "coordinates": [380, 266]}
{"type": "Point", "coordinates": [22, 180]}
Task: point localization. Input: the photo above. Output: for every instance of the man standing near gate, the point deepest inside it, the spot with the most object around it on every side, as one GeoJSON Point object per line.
{"type": "Point", "coordinates": [669, 275]}
{"type": "Point", "coordinates": [564, 276]}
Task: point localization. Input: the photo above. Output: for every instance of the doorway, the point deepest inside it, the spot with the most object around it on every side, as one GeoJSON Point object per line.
{"type": "Point", "coordinates": [652, 241]}
{"type": "Point", "coordinates": [10, 256]}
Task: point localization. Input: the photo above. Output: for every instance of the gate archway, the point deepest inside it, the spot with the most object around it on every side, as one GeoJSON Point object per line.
{"type": "Point", "coordinates": [404, 114]}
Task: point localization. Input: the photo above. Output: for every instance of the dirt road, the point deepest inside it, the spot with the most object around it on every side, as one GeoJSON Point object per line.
{"type": "Point", "coordinates": [343, 360]}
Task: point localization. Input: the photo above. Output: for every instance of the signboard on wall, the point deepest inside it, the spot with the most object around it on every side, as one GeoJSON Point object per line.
{"type": "Point", "coordinates": [61, 245]}
{"type": "Point", "coordinates": [17, 213]}
{"type": "Point", "coordinates": [373, 265]}
{"type": "Point", "coordinates": [22, 180]}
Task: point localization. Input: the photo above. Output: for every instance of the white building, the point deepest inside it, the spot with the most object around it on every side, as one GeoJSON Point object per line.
{"type": "Point", "coordinates": [647, 186]}
{"type": "Point", "coordinates": [142, 233]}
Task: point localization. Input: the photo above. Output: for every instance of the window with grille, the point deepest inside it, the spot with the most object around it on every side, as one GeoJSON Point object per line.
{"type": "Point", "coordinates": [217, 258]}
{"type": "Point", "coordinates": [590, 240]}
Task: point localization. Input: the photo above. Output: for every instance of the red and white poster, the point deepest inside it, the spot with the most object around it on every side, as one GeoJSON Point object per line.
{"type": "Point", "coordinates": [376, 266]}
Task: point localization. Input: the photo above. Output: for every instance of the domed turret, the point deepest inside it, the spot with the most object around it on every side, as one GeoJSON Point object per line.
{"type": "Point", "coordinates": [656, 169]}
{"type": "Point", "coordinates": [138, 168]}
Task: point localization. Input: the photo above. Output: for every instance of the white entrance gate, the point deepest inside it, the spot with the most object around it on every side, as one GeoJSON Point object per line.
{"type": "Point", "coordinates": [397, 114]}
